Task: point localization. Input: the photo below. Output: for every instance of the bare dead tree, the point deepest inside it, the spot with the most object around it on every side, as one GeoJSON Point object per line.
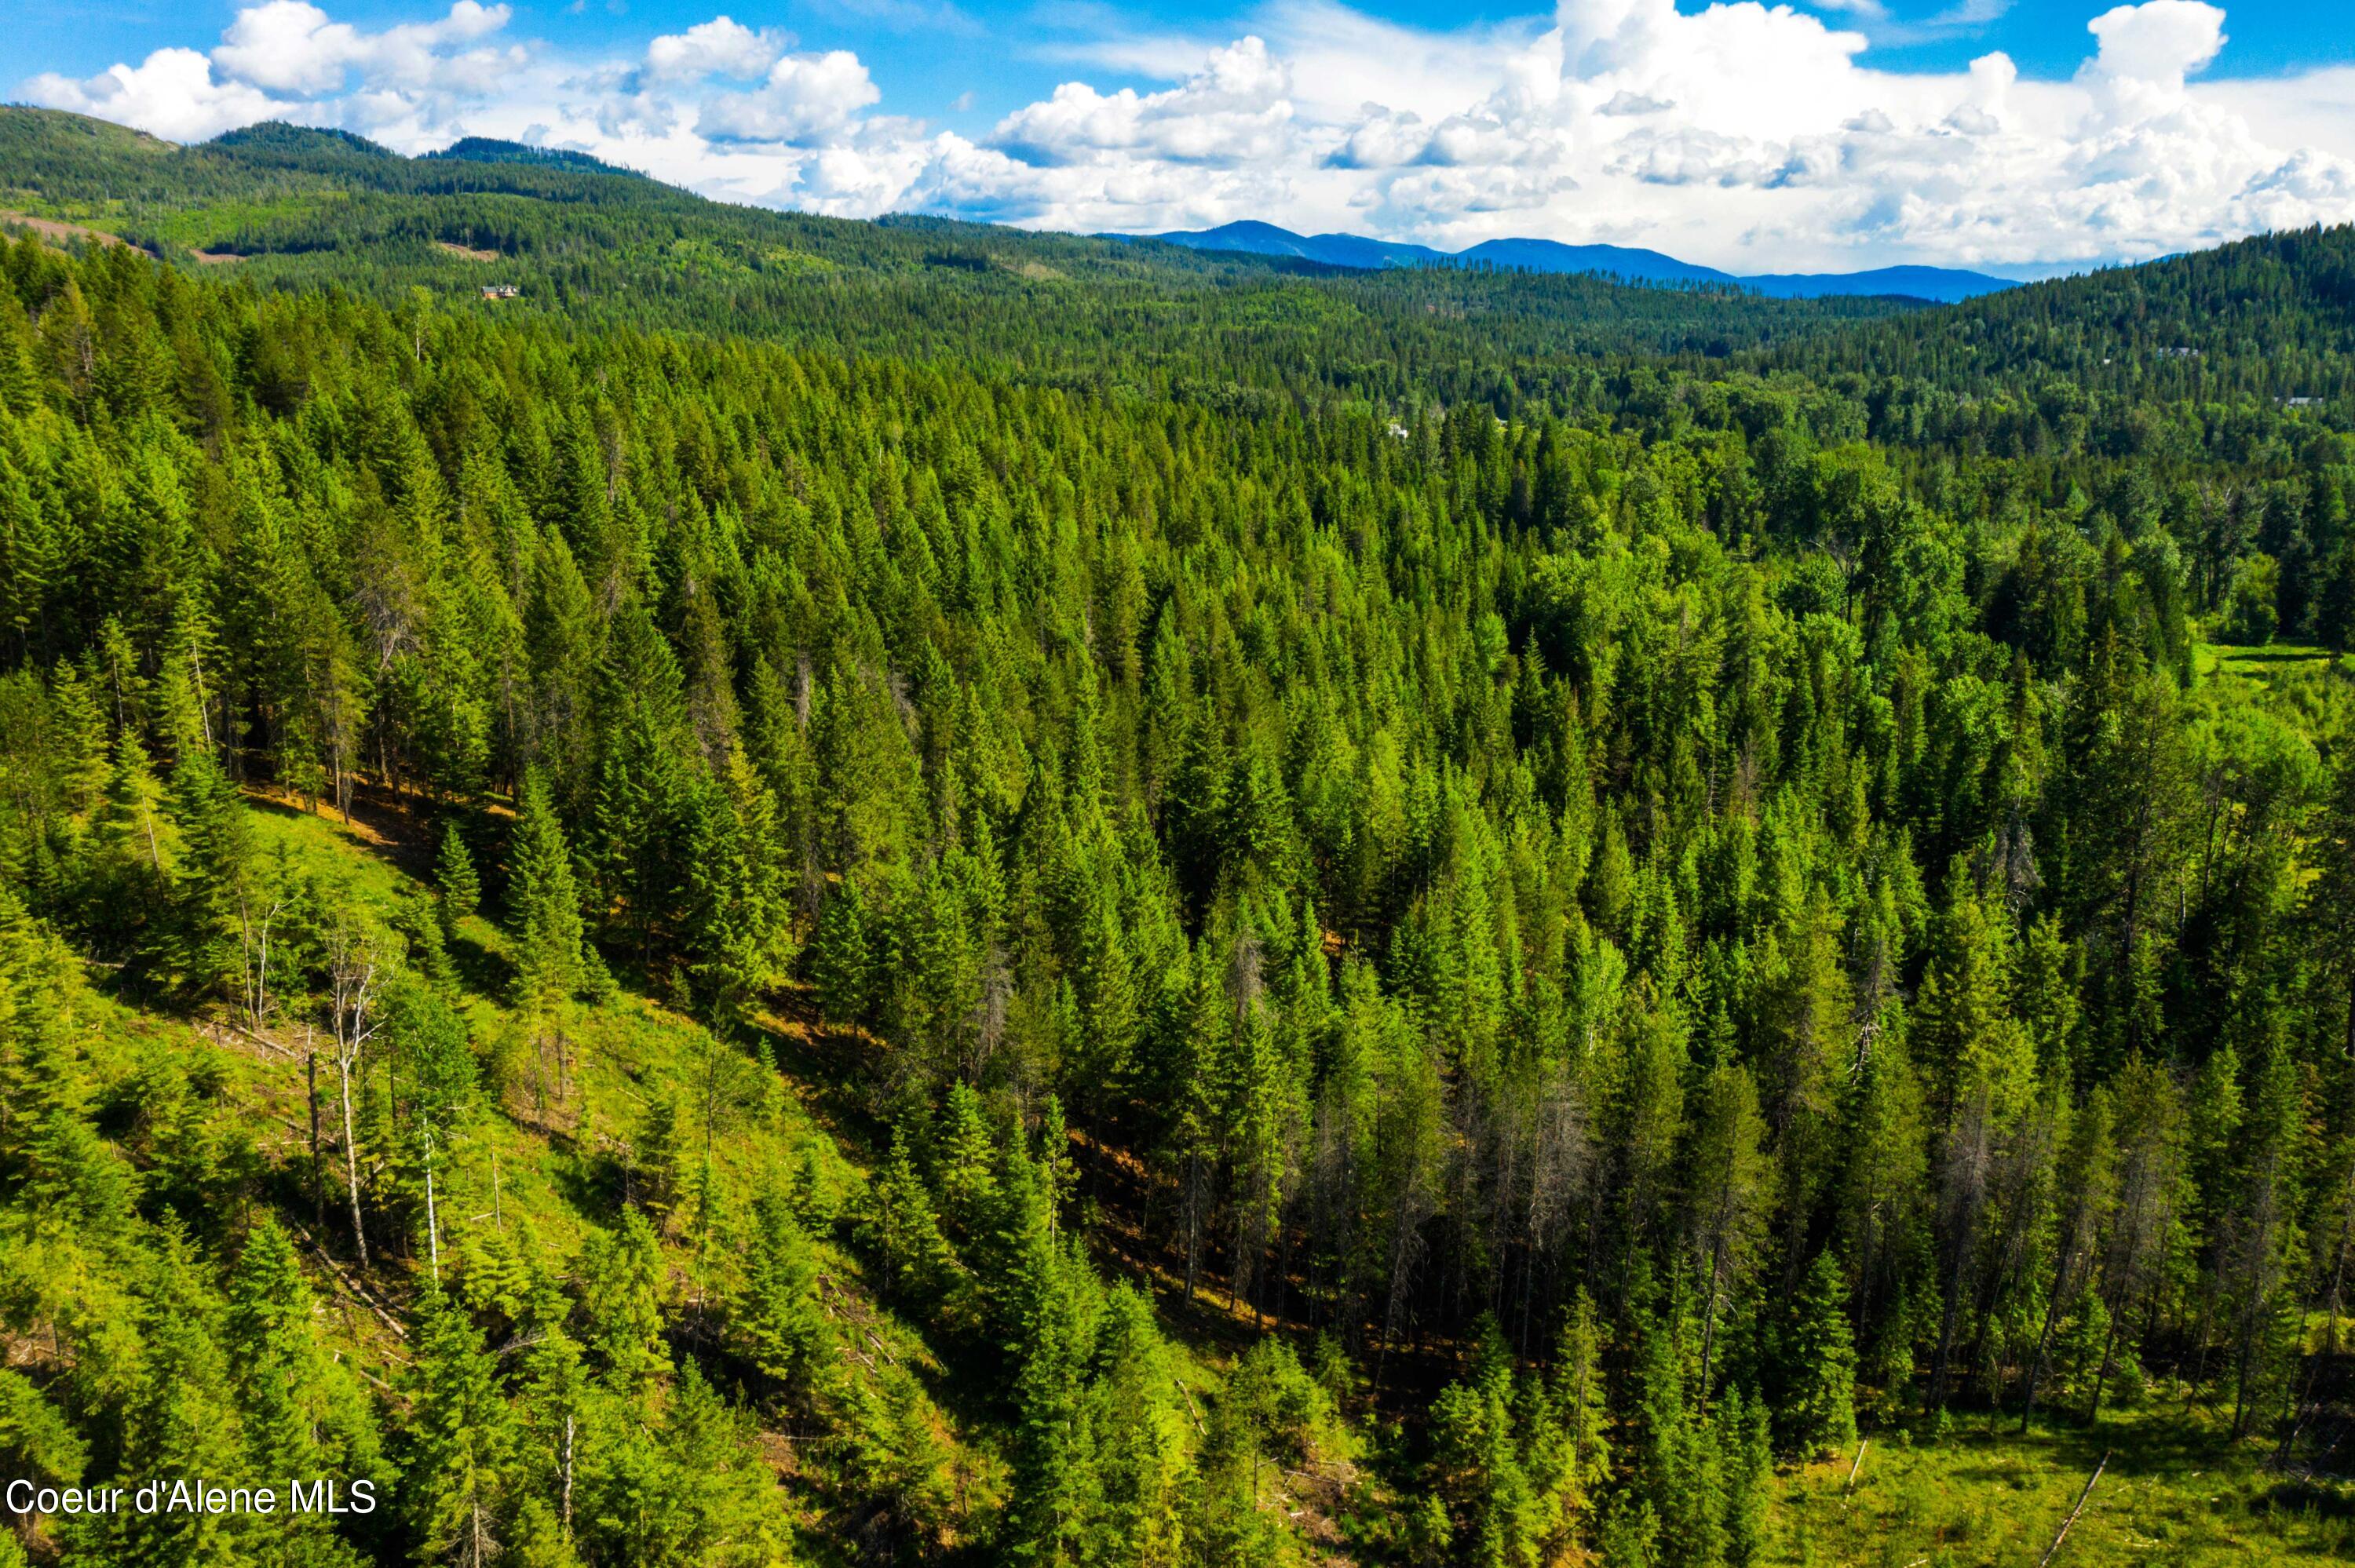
{"type": "Point", "coordinates": [1559, 1157]}
{"type": "Point", "coordinates": [352, 974]}
{"type": "Point", "coordinates": [253, 938]}
{"type": "Point", "coordinates": [1969, 1156]}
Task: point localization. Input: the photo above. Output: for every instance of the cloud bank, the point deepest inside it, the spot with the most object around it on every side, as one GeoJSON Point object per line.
{"type": "Point", "coordinates": [1743, 135]}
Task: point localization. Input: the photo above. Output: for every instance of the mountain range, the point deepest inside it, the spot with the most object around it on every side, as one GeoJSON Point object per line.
{"type": "Point", "coordinates": [1939, 285]}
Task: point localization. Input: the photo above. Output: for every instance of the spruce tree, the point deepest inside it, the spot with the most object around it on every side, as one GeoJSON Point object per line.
{"type": "Point", "coordinates": [1817, 1411]}
{"type": "Point", "coordinates": [1746, 1456]}
{"type": "Point", "coordinates": [1144, 1439]}
{"type": "Point", "coordinates": [180, 1419]}
{"type": "Point", "coordinates": [783, 1325]}
{"type": "Point", "coordinates": [455, 880]}
{"type": "Point", "coordinates": [268, 1336]}
{"type": "Point", "coordinates": [544, 905]}
{"type": "Point", "coordinates": [37, 1442]}
{"type": "Point", "coordinates": [457, 1478]}
{"type": "Point", "coordinates": [558, 1442]}
{"type": "Point", "coordinates": [2262, 1238]}
{"type": "Point", "coordinates": [1055, 1477]}
{"type": "Point", "coordinates": [622, 1285]}
{"type": "Point", "coordinates": [899, 1459]}
{"type": "Point", "coordinates": [226, 899]}
{"type": "Point", "coordinates": [136, 847]}
{"type": "Point", "coordinates": [1476, 1467]}
{"type": "Point", "coordinates": [552, 961]}
{"type": "Point", "coordinates": [1579, 1399]}
{"type": "Point", "coordinates": [902, 1228]}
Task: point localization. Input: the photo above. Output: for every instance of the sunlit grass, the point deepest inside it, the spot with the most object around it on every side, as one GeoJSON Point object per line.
{"type": "Point", "coordinates": [2264, 662]}
{"type": "Point", "coordinates": [2176, 1490]}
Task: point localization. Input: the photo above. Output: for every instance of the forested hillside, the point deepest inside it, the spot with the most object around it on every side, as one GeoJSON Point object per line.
{"type": "Point", "coordinates": [681, 948]}
{"type": "Point", "coordinates": [305, 208]}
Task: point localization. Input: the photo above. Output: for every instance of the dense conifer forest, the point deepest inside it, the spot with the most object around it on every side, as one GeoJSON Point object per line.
{"type": "Point", "coordinates": [840, 894]}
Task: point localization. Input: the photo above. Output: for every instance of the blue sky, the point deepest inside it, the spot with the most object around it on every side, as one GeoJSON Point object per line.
{"type": "Point", "coordinates": [926, 54]}
{"type": "Point", "coordinates": [1842, 133]}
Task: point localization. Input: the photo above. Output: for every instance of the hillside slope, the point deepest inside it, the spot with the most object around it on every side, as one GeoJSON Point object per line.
{"type": "Point", "coordinates": [2268, 319]}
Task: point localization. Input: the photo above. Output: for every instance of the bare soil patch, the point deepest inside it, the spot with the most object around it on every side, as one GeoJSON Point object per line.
{"type": "Point", "coordinates": [57, 233]}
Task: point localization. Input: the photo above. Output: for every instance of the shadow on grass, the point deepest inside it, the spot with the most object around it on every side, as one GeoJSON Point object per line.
{"type": "Point", "coordinates": [396, 828]}
{"type": "Point", "coordinates": [2316, 1498]}
{"type": "Point", "coordinates": [2277, 656]}
{"type": "Point", "coordinates": [834, 1072]}
{"type": "Point", "coordinates": [479, 970]}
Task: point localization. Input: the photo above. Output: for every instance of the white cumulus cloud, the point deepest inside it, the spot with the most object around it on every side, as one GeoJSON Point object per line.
{"type": "Point", "coordinates": [291, 47]}
{"type": "Point", "coordinates": [721, 46]}
{"type": "Point", "coordinates": [805, 97]}
{"type": "Point", "coordinates": [1236, 108]}
{"type": "Point", "coordinates": [1752, 136]}
{"type": "Point", "coordinates": [289, 60]}
{"type": "Point", "coordinates": [172, 93]}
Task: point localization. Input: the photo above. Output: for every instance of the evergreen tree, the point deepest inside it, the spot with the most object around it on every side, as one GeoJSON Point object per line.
{"type": "Point", "coordinates": [1673, 1476]}
{"type": "Point", "coordinates": [1748, 1460]}
{"type": "Point", "coordinates": [1055, 1479]}
{"type": "Point", "coordinates": [1475, 1466]}
{"type": "Point", "coordinates": [901, 1460]}
{"type": "Point", "coordinates": [1406, 790]}
{"type": "Point", "coordinates": [2261, 1238]}
{"type": "Point", "coordinates": [623, 1281]}
{"type": "Point", "coordinates": [1579, 1398]}
{"type": "Point", "coordinates": [1730, 1179]}
{"type": "Point", "coordinates": [455, 1480]}
{"type": "Point", "coordinates": [1143, 1452]}
{"type": "Point", "coordinates": [551, 959]}
{"type": "Point", "coordinates": [455, 880]}
{"type": "Point", "coordinates": [180, 1420]}
{"type": "Point", "coordinates": [557, 1446]}
{"type": "Point", "coordinates": [1817, 1414]}
{"type": "Point", "coordinates": [782, 1323]}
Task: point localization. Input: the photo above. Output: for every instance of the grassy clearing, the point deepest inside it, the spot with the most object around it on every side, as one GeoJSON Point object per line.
{"type": "Point", "coordinates": [2264, 662]}
{"type": "Point", "coordinates": [208, 228]}
{"type": "Point", "coordinates": [2173, 1493]}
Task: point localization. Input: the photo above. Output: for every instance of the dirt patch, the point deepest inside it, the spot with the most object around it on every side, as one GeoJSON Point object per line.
{"type": "Point", "coordinates": [57, 233]}
{"type": "Point", "coordinates": [214, 258]}
{"type": "Point", "coordinates": [460, 251]}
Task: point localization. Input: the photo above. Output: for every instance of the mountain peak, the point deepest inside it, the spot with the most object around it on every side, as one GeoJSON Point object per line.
{"type": "Point", "coordinates": [492, 150]}
{"type": "Point", "coordinates": [277, 136]}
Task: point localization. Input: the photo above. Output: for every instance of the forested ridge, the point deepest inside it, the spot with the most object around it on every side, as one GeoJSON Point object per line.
{"type": "Point", "coordinates": [304, 208]}
{"type": "Point", "coordinates": [682, 948]}
{"type": "Point", "coordinates": [2261, 322]}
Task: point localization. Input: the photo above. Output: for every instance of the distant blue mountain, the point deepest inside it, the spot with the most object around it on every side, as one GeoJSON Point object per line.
{"type": "Point", "coordinates": [1250, 238]}
{"type": "Point", "coordinates": [1939, 285]}
{"type": "Point", "coordinates": [1618, 260]}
